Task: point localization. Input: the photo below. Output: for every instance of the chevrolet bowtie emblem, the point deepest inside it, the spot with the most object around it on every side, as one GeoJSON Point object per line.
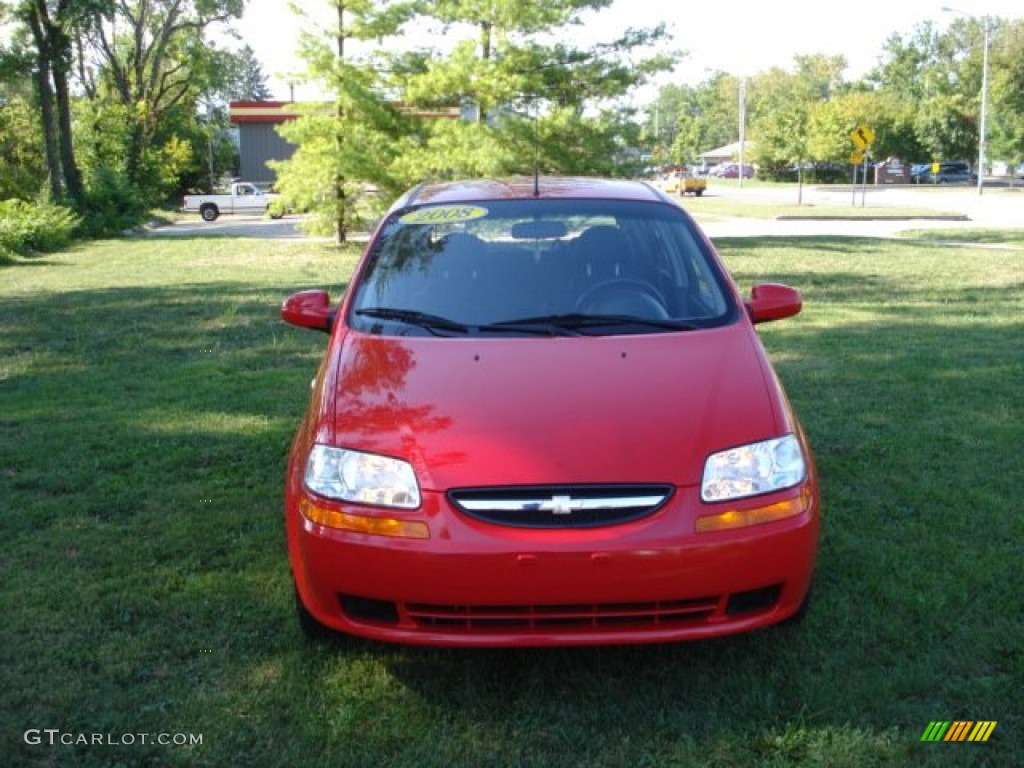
{"type": "Point", "coordinates": [562, 505]}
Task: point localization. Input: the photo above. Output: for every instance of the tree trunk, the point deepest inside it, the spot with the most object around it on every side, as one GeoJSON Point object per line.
{"type": "Point", "coordinates": [136, 147]}
{"type": "Point", "coordinates": [339, 179]}
{"type": "Point", "coordinates": [38, 20]}
{"type": "Point", "coordinates": [61, 66]}
{"type": "Point", "coordinates": [486, 44]}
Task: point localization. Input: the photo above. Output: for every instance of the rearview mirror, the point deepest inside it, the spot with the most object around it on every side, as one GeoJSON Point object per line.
{"type": "Point", "coordinates": [309, 309]}
{"type": "Point", "coordinates": [773, 301]}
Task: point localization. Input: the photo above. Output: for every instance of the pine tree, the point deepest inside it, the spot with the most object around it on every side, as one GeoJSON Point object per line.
{"type": "Point", "coordinates": [345, 149]}
{"type": "Point", "coordinates": [536, 98]}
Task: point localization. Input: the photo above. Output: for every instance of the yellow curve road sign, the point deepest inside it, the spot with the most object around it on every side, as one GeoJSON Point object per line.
{"type": "Point", "coordinates": [862, 136]}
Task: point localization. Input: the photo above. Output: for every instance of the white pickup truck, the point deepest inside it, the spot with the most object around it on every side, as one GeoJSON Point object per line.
{"type": "Point", "coordinates": [244, 197]}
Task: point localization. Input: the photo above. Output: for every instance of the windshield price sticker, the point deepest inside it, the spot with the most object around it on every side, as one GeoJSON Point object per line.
{"type": "Point", "coordinates": [444, 214]}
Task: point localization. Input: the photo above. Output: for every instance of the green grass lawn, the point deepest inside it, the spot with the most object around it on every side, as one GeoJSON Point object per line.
{"type": "Point", "coordinates": [148, 392]}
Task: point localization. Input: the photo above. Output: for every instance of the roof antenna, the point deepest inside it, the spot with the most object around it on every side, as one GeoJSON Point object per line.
{"type": "Point", "coordinates": [536, 153]}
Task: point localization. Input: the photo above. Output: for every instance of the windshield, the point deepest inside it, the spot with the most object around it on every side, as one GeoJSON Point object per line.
{"type": "Point", "coordinates": [541, 266]}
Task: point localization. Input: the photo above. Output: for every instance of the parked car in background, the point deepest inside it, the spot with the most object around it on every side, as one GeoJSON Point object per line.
{"type": "Point", "coordinates": [732, 171]}
{"type": "Point", "coordinates": [683, 182]}
{"type": "Point", "coordinates": [950, 172]}
{"type": "Point", "coordinates": [243, 197]}
{"type": "Point", "coordinates": [544, 417]}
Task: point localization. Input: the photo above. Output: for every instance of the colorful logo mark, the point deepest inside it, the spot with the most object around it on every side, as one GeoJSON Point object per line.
{"type": "Point", "coordinates": [959, 730]}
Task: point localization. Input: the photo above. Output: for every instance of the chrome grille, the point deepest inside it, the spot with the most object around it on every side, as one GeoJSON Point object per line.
{"type": "Point", "coordinates": [576, 506]}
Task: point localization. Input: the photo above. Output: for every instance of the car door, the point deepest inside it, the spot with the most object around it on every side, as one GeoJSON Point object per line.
{"type": "Point", "coordinates": [248, 199]}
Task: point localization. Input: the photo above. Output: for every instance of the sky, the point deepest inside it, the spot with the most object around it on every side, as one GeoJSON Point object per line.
{"type": "Point", "coordinates": [740, 37]}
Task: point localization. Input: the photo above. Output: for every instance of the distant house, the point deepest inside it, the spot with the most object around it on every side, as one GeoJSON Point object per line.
{"type": "Point", "coordinates": [259, 142]}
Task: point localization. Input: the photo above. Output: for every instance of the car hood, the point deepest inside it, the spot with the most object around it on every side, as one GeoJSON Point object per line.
{"type": "Point", "coordinates": [563, 410]}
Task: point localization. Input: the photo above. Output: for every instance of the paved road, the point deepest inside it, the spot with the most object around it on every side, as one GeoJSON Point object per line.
{"type": "Point", "coordinates": [234, 226]}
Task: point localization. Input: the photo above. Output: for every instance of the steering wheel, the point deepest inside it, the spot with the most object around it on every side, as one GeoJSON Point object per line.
{"type": "Point", "coordinates": [624, 296]}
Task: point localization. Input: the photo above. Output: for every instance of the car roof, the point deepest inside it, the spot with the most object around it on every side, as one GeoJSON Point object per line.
{"type": "Point", "coordinates": [522, 188]}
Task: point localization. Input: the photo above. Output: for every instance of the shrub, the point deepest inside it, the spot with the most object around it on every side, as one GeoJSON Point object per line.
{"type": "Point", "coordinates": [112, 204]}
{"type": "Point", "coordinates": [814, 173]}
{"type": "Point", "coordinates": [29, 228]}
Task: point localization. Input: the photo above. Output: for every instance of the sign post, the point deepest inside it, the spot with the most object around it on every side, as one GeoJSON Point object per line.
{"type": "Point", "coordinates": [856, 158]}
{"type": "Point", "coordinates": [863, 137]}
{"type": "Point", "coordinates": [864, 183]}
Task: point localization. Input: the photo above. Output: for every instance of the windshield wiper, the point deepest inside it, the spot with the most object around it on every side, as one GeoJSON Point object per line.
{"type": "Point", "coordinates": [578, 322]}
{"type": "Point", "coordinates": [432, 323]}
{"type": "Point", "coordinates": [535, 326]}
{"type": "Point", "coordinates": [571, 324]}
{"type": "Point", "coordinates": [435, 323]}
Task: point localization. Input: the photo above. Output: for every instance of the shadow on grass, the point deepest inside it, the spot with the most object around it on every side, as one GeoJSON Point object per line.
{"type": "Point", "coordinates": [116, 400]}
{"type": "Point", "coordinates": [826, 244]}
{"type": "Point", "coordinates": [981, 236]}
{"type": "Point", "coordinates": [47, 260]}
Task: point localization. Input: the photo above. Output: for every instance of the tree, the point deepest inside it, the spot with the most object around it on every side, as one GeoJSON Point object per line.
{"type": "Point", "coordinates": [832, 122]}
{"type": "Point", "coordinates": [137, 63]}
{"type": "Point", "coordinates": [563, 143]}
{"type": "Point", "coordinates": [22, 165]}
{"type": "Point", "coordinates": [786, 102]}
{"type": "Point", "coordinates": [710, 119]}
{"type": "Point", "coordinates": [235, 75]}
{"type": "Point", "coordinates": [938, 77]}
{"type": "Point", "coordinates": [1007, 68]}
{"type": "Point", "coordinates": [50, 26]}
{"type": "Point", "coordinates": [219, 78]}
{"type": "Point", "coordinates": [145, 55]}
{"type": "Point", "coordinates": [344, 150]}
{"type": "Point", "coordinates": [662, 120]}
{"type": "Point", "coordinates": [536, 98]}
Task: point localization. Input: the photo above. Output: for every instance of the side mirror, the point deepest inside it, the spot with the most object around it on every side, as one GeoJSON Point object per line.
{"type": "Point", "coordinates": [309, 309]}
{"type": "Point", "coordinates": [772, 301]}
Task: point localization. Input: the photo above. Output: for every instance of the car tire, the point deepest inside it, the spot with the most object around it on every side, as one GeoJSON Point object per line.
{"type": "Point", "coordinates": [209, 212]}
{"type": "Point", "coordinates": [699, 192]}
{"type": "Point", "coordinates": [311, 628]}
{"type": "Point", "coordinates": [803, 610]}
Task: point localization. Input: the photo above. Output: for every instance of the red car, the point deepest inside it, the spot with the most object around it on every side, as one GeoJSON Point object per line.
{"type": "Point", "coordinates": [732, 171]}
{"type": "Point", "coordinates": [544, 418]}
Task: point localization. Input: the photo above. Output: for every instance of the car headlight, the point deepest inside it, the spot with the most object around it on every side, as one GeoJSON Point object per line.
{"type": "Point", "coordinates": [364, 478]}
{"type": "Point", "coordinates": [753, 469]}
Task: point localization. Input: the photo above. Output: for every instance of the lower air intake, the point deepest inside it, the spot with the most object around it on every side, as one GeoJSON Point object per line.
{"type": "Point", "coordinates": [564, 617]}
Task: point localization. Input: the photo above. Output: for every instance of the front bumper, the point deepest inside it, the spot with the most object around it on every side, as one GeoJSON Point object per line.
{"type": "Point", "coordinates": [477, 584]}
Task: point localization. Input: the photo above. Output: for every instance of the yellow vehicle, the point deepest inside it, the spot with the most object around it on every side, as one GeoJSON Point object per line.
{"type": "Point", "coordinates": [684, 182]}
